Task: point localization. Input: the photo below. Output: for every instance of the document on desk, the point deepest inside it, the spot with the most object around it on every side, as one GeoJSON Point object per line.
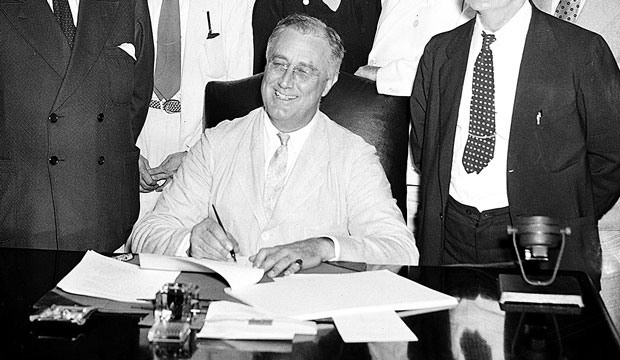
{"type": "Point", "coordinates": [234, 321]}
{"type": "Point", "coordinates": [308, 297]}
{"type": "Point", "coordinates": [237, 274]}
{"type": "Point", "coordinates": [376, 326]}
{"type": "Point", "coordinates": [103, 277]}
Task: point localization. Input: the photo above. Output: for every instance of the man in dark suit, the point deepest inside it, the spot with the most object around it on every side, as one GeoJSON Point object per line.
{"type": "Point", "coordinates": [542, 97]}
{"type": "Point", "coordinates": [73, 100]}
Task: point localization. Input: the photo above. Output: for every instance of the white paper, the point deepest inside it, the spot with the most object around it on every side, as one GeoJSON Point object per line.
{"type": "Point", "coordinates": [229, 320]}
{"type": "Point", "coordinates": [377, 326]}
{"type": "Point", "coordinates": [103, 277]}
{"type": "Point", "coordinates": [237, 274]}
{"type": "Point", "coordinates": [314, 297]}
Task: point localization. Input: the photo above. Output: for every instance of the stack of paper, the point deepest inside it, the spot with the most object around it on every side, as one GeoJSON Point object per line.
{"type": "Point", "coordinates": [237, 274]}
{"type": "Point", "coordinates": [234, 321]}
{"type": "Point", "coordinates": [362, 304]}
{"type": "Point", "coordinates": [103, 277]}
{"type": "Point", "coordinates": [308, 297]}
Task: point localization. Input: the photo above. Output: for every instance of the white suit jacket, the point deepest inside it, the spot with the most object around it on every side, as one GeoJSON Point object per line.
{"type": "Point", "coordinates": [337, 188]}
{"type": "Point", "coordinates": [225, 57]}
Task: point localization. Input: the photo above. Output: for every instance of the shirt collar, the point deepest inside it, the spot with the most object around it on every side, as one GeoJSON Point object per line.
{"type": "Point", "coordinates": [297, 137]}
{"type": "Point", "coordinates": [518, 24]}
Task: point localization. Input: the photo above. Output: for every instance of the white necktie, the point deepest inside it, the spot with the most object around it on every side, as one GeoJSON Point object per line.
{"type": "Point", "coordinates": [276, 173]}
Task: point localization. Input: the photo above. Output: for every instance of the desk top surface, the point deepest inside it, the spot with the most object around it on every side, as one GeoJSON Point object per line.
{"type": "Point", "coordinates": [476, 329]}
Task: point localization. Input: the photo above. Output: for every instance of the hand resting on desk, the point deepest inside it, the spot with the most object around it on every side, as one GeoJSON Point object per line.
{"type": "Point", "coordinates": [209, 240]}
{"type": "Point", "coordinates": [281, 259]}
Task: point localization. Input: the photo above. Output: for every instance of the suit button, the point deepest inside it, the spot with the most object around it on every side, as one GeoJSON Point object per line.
{"type": "Point", "coordinates": [101, 160]}
{"type": "Point", "coordinates": [100, 117]}
{"type": "Point", "coordinates": [53, 160]}
{"type": "Point", "coordinates": [53, 118]}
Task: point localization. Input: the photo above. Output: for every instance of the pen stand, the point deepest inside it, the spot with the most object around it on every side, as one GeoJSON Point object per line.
{"type": "Point", "coordinates": [171, 334]}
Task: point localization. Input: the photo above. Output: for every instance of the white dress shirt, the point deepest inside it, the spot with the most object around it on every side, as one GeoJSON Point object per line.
{"type": "Point", "coordinates": [487, 190]}
{"type": "Point", "coordinates": [295, 144]}
{"type": "Point", "coordinates": [404, 28]}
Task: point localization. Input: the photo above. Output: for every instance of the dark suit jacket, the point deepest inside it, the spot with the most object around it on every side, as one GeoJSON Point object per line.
{"type": "Point", "coordinates": [568, 167]}
{"type": "Point", "coordinates": [68, 123]}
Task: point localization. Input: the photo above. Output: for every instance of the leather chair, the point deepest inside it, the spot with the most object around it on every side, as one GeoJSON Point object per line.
{"type": "Point", "coordinates": [353, 102]}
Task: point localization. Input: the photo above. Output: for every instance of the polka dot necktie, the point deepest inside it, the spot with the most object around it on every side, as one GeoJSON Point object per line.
{"type": "Point", "coordinates": [62, 11]}
{"type": "Point", "coordinates": [568, 10]}
{"type": "Point", "coordinates": [481, 137]}
{"type": "Point", "coordinates": [276, 172]}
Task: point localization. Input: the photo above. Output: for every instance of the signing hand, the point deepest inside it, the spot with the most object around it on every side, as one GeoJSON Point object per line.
{"type": "Point", "coordinates": [209, 240]}
{"type": "Point", "coordinates": [147, 183]}
{"type": "Point", "coordinates": [368, 71]}
{"type": "Point", "coordinates": [166, 170]}
{"type": "Point", "coordinates": [282, 259]}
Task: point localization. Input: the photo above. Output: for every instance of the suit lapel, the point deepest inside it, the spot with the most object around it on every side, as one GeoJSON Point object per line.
{"type": "Point", "coordinates": [249, 168]}
{"type": "Point", "coordinates": [38, 26]}
{"type": "Point", "coordinates": [540, 55]}
{"type": "Point", "coordinates": [96, 17]}
{"type": "Point", "coordinates": [452, 75]}
{"type": "Point", "coordinates": [307, 174]}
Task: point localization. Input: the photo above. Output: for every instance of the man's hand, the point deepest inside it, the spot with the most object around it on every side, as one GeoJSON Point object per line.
{"type": "Point", "coordinates": [368, 71]}
{"type": "Point", "coordinates": [147, 183]}
{"type": "Point", "coordinates": [166, 170]}
{"type": "Point", "coordinates": [282, 259]}
{"type": "Point", "coordinates": [209, 240]}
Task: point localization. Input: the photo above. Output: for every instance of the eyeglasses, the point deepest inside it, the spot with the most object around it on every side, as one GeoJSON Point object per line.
{"type": "Point", "coordinates": [301, 73]}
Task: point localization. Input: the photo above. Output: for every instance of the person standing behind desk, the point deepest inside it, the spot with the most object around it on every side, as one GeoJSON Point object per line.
{"type": "Point", "coordinates": [549, 115]}
{"type": "Point", "coordinates": [404, 28]}
{"type": "Point", "coordinates": [354, 20]}
{"type": "Point", "coordinates": [292, 187]}
{"type": "Point", "coordinates": [75, 80]}
{"type": "Point", "coordinates": [213, 42]}
{"type": "Point", "coordinates": [602, 17]}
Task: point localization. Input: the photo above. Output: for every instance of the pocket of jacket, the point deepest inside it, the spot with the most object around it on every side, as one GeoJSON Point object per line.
{"type": "Point", "coordinates": [120, 69]}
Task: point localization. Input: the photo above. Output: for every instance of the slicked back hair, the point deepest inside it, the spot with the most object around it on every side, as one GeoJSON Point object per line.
{"type": "Point", "coordinates": [311, 26]}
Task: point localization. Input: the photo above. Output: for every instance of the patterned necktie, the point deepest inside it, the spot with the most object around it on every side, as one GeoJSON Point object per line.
{"type": "Point", "coordinates": [481, 137]}
{"type": "Point", "coordinates": [568, 10]}
{"type": "Point", "coordinates": [62, 11]}
{"type": "Point", "coordinates": [276, 172]}
{"type": "Point", "coordinates": [168, 62]}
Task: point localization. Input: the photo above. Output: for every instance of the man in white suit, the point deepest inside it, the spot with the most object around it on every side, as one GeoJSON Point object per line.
{"type": "Point", "coordinates": [215, 44]}
{"type": "Point", "coordinates": [335, 201]}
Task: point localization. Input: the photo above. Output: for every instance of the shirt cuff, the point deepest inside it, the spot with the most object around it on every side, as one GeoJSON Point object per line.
{"type": "Point", "coordinates": [336, 248]}
{"type": "Point", "coordinates": [183, 249]}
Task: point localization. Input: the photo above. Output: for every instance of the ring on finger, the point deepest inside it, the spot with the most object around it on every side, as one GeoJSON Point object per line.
{"type": "Point", "coordinates": [299, 262]}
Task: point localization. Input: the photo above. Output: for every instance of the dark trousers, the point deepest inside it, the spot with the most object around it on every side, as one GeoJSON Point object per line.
{"type": "Point", "coordinates": [474, 237]}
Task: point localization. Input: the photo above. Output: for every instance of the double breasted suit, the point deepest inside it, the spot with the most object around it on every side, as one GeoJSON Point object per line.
{"type": "Point", "coordinates": [566, 165]}
{"type": "Point", "coordinates": [69, 119]}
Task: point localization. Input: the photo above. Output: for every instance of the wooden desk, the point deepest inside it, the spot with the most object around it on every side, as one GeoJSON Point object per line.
{"type": "Point", "coordinates": [476, 329]}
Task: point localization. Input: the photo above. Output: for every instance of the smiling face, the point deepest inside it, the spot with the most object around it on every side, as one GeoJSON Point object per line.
{"type": "Point", "coordinates": [297, 75]}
